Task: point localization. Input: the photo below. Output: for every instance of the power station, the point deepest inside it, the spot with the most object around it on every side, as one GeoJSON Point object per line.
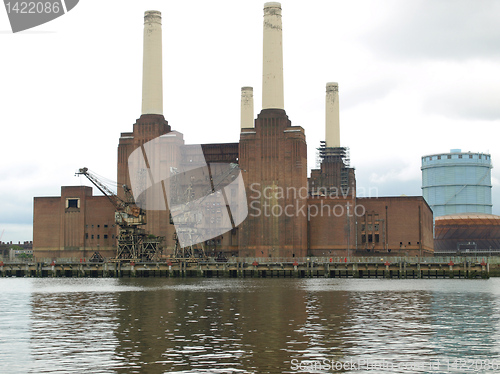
{"type": "Point", "coordinates": [290, 214]}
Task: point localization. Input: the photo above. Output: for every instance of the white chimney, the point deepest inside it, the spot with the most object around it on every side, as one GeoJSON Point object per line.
{"type": "Point", "coordinates": [272, 74]}
{"type": "Point", "coordinates": [332, 123]}
{"type": "Point", "coordinates": [246, 107]}
{"type": "Point", "coordinates": [152, 87]}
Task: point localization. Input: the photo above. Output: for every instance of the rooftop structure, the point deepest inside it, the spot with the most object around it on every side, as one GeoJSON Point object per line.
{"type": "Point", "coordinates": [467, 233]}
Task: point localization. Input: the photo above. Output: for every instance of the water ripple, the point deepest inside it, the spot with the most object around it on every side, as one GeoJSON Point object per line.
{"type": "Point", "coordinates": [246, 325]}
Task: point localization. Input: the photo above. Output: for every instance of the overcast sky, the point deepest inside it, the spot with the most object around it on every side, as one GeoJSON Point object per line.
{"type": "Point", "coordinates": [415, 78]}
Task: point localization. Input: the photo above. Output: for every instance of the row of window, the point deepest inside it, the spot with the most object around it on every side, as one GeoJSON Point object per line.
{"type": "Point", "coordinates": [459, 156]}
{"type": "Point", "coordinates": [370, 227]}
{"type": "Point", "coordinates": [92, 226]}
{"type": "Point", "coordinates": [105, 236]}
{"type": "Point", "coordinates": [371, 239]}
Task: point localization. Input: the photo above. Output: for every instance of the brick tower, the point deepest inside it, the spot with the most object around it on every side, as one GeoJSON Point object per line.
{"type": "Point", "coordinates": [151, 124]}
{"type": "Point", "coordinates": [273, 158]}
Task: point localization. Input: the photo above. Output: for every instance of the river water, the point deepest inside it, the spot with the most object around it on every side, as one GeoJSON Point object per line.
{"type": "Point", "coordinates": [161, 325]}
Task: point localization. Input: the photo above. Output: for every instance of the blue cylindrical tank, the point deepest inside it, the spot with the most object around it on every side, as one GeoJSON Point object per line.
{"type": "Point", "coordinates": [457, 182]}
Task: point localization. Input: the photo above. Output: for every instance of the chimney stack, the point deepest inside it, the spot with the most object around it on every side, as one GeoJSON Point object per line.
{"type": "Point", "coordinates": [332, 122]}
{"type": "Point", "coordinates": [246, 107]}
{"type": "Point", "coordinates": [152, 86]}
{"type": "Point", "coordinates": [272, 74]}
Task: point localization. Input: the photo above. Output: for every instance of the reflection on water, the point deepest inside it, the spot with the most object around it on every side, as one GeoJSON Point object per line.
{"type": "Point", "coordinates": [244, 325]}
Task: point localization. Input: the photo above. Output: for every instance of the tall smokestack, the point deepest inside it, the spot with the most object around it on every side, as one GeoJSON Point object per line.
{"type": "Point", "coordinates": [272, 74]}
{"type": "Point", "coordinates": [246, 107]}
{"type": "Point", "coordinates": [332, 123]}
{"type": "Point", "coordinates": [152, 87]}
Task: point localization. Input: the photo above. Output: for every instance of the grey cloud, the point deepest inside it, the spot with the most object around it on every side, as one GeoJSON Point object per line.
{"type": "Point", "coordinates": [372, 91]}
{"type": "Point", "coordinates": [464, 104]}
{"type": "Point", "coordinates": [440, 29]}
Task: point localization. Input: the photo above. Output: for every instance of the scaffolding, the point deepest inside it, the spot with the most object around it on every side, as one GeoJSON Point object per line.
{"type": "Point", "coordinates": [337, 155]}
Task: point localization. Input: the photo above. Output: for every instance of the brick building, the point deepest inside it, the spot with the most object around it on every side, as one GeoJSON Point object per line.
{"type": "Point", "coordinates": [75, 224]}
{"type": "Point", "coordinates": [317, 216]}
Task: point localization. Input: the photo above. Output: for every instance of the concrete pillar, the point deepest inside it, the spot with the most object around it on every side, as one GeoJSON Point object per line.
{"type": "Point", "coordinates": [246, 107]}
{"type": "Point", "coordinates": [133, 273]}
{"type": "Point", "coordinates": [152, 86]}
{"type": "Point", "coordinates": [355, 271]}
{"type": "Point", "coordinates": [272, 72]}
{"type": "Point", "coordinates": [332, 121]}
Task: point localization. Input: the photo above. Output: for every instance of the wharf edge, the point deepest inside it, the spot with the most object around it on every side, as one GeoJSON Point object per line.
{"type": "Point", "coordinates": [311, 267]}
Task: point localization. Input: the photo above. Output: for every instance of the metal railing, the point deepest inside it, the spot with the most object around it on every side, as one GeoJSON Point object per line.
{"type": "Point", "coordinates": [285, 260]}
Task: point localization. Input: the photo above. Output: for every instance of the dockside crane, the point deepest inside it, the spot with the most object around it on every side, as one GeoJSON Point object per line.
{"type": "Point", "coordinates": [134, 244]}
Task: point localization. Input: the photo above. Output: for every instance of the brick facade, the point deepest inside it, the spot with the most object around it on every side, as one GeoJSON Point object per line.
{"type": "Point", "coordinates": [395, 225]}
{"type": "Point", "coordinates": [273, 157]}
{"type": "Point", "coordinates": [146, 128]}
{"type": "Point", "coordinates": [75, 224]}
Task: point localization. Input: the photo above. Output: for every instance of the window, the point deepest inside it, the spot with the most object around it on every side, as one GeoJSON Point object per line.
{"type": "Point", "coordinates": [449, 157]}
{"type": "Point", "coordinates": [105, 225]}
{"type": "Point", "coordinates": [439, 157]}
{"type": "Point", "coordinates": [363, 227]}
{"type": "Point", "coordinates": [370, 238]}
{"type": "Point", "coordinates": [98, 237]}
{"type": "Point", "coordinates": [377, 238]}
{"type": "Point", "coordinates": [430, 158]}
{"type": "Point", "coordinates": [470, 156]}
{"type": "Point", "coordinates": [92, 236]}
{"type": "Point", "coordinates": [459, 156]}
{"type": "Point", "coordinates": [86, 235]}
{"type": "Point", "coordinates": [72, 203]}
{"type": "Point", "coordinates": [98, 225]}
{"type": "Point", "coordinates": [105, 236]}
{"type": "Point", "coordinates": [480, 157]}
{"type": "Point", "coordinates": [376, 227]}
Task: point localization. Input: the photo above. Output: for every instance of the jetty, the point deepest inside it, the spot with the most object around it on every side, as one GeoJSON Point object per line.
{"type": "Point", "coordinates": [237, 267]}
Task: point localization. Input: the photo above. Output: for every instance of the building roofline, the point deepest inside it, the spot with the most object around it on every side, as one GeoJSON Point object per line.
{"type": "Point", "coordinates": [456, 153]}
